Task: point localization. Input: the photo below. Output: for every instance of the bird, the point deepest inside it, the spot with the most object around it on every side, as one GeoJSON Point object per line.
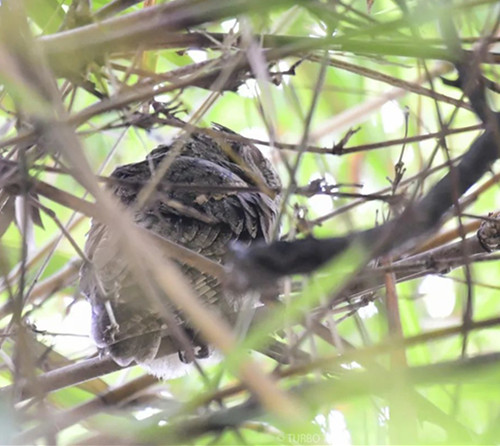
{"type": "Point", "coordinates": [215, 191]}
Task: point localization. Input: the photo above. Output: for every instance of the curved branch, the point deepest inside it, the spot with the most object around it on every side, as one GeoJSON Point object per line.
{"type": "Point", "coordinates": [260, 265]}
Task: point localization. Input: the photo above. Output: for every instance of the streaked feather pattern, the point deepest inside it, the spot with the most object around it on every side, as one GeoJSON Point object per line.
{"type": "Point", "coordinates": [204, 218]}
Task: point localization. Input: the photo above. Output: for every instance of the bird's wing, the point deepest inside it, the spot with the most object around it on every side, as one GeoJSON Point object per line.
{"type": "Point", "coordinates": [217, 209]}
{"type": "Point", "coordinates": [121, 323]}
{"type": "Point", "coordinates": [214, 194]}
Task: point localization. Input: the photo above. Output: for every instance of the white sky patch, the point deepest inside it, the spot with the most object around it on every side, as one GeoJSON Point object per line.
{"type": "Point", "coordinates": [228, 25]}
{"type": "Point", "coordinates": [393, 118]}
{"type": "Point", "coordinates": [318, 30]}
{"type": "Point", "coordinates": [351, 365]}
{"type": "Point", "coordinates": [368, 311]}
{"type": "Point", "coordinates": [320, 203]}
{"type": "Point", "coordinates": [77, 322]}
{"type": "Point", "coordinates": [197, 55]}
{"type": "Point", "coordinates": [166, 394]}
{"type": "Point", "coordinates": [370, 184]}
{"type": "Point", "coordinates": [146, 413]}
{"type": "Point", "coordinates": [282, 67]}
{"type": "Point", "coordinates": [255, 133]}
{"type": "Point", "coordinates": [409, 155]}
{"type": "Point", "coordinates": [438, 296]}
{"type": "Point", "coordinates": [334, 428]}
{"type": "Point", "coordinates": [259, 133]}
{"type": "Point", "coordinates": [384, 416]}
{"type": "Point", "coordinates": [249, 89]}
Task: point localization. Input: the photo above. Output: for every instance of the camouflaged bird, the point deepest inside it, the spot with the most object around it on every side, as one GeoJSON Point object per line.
{"type": "Point", "coordinates": [205, 218]}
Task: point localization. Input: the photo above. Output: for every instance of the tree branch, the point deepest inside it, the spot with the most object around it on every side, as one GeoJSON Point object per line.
{"type": "Point", "coordinates": [260, 265]}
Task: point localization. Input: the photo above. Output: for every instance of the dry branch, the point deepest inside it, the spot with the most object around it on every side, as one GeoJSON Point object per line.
{"type": "Point", "coordinates": [269, 263]}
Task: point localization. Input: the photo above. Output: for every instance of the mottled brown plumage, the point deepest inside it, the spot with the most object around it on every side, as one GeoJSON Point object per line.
{"type": "Point", "coordinates": [205, 219]}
